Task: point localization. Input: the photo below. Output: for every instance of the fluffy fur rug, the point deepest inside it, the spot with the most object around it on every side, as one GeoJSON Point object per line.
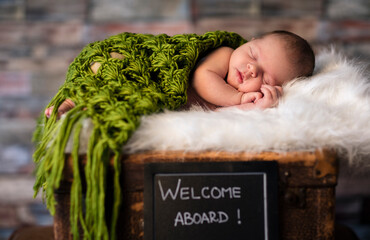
{"type": "Point", "coordinates": [331, 110]}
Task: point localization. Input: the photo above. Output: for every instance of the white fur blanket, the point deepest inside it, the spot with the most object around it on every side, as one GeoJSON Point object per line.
{"type": "Point", "coordinates": [331, 110]}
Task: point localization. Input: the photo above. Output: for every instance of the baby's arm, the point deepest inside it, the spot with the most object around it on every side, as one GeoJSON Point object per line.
{"type": "Point", "coordinates": [208, 79]}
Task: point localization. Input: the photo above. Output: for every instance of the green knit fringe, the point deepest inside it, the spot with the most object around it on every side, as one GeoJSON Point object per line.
{"type": "Point", "coordinates": [153, 76]}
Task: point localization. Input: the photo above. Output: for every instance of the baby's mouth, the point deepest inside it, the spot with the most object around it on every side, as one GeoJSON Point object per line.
{"type": "Point", "coordinates": [239, 76]}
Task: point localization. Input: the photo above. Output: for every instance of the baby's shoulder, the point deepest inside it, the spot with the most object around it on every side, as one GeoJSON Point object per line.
{"type": "Point", "coordinates": [223, 50]}
{"type": "Point", "coordinates": [219, 53]}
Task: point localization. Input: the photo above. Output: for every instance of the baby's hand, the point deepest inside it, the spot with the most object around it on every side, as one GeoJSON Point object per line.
{"type": "Point", "coordinates": [250, 97]}
{"type": "Point", "coordinates": [267, 98]}
{"type": "Point", "coordinates": [271, 95]}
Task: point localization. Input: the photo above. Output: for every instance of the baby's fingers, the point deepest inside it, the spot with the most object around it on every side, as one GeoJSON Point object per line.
{"type": "Point", "coordinates": [251, 97]}
{"type": "Point", "coordinates": [273, 92]}
{"type": "Point", "coordinates": [271, 95]}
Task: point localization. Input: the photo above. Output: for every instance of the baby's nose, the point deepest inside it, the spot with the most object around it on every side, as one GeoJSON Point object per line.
{"type": "Point", "coordinates": [253, 70]}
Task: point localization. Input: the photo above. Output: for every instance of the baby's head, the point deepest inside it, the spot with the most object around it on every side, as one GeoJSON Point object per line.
{"type": "Point", "coordinates": [298, 50]}
{"type": "Point", "coordinates": [274, 58]}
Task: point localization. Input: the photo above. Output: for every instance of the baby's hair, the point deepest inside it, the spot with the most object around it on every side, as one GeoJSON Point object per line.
{"type": "Point", "coordinates": [299, 51]}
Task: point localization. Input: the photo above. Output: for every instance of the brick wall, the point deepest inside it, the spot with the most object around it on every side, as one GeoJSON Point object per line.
{"type": "Point", "coordinates": [39, 38]}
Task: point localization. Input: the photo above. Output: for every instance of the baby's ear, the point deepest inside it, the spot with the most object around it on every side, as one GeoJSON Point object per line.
{"type": "Point", "coordinates": [253, 38]}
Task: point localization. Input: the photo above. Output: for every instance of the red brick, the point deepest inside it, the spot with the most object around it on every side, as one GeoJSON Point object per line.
{"type": "Point", "coordinates": [101, 31]}
{"type": "Point", "coordinates": [54, 33]}
{"type": "Point", "coordinates": [12, 10]}
{"type": "Point", "coordinates": [11, 33]}
{"type": "Point", "coordinates": [58, 10]}
{"type": "Point", "coordinates": [250, 27]}
{"type": "Point", "coordinates": [8, 216]}
{"type": "Point", "coordinates": [347, 30]}
{"type": "Point", "coordinates": [15, 84]}
{"type": "Point", "coordinates": [138, 10]}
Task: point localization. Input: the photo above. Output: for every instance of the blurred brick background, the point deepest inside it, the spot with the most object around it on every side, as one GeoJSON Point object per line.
{"type": "Point", "coordinates": [39, 38]}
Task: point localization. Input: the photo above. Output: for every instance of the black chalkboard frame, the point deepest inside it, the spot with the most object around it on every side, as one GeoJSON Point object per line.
{"type": "Point", "coordinates": [269, 168]}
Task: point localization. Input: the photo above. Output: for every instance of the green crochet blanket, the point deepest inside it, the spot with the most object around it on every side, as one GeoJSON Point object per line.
{"type": "Point", "coordinates": [151, 74]}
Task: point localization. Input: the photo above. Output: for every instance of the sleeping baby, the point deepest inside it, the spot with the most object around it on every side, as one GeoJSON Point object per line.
{"type": "Point", "coordinates": [248, 77]}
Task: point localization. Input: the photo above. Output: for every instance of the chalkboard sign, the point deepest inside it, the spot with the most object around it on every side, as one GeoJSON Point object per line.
{"type": "Point", "coordinates": [211, 201]}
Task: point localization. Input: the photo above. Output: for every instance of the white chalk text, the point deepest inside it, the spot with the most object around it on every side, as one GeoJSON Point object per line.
{"type": "Point", "coordinates": [205, 192]}
{"type": "Point", "coordinates": [187, 218]}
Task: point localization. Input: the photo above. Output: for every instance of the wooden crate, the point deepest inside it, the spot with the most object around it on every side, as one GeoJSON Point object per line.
{"type": "Point", "coordinates": [307, 183]}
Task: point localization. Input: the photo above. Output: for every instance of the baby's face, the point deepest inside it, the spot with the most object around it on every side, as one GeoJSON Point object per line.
{"type": "Point", "coordinates": [260, 61]}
